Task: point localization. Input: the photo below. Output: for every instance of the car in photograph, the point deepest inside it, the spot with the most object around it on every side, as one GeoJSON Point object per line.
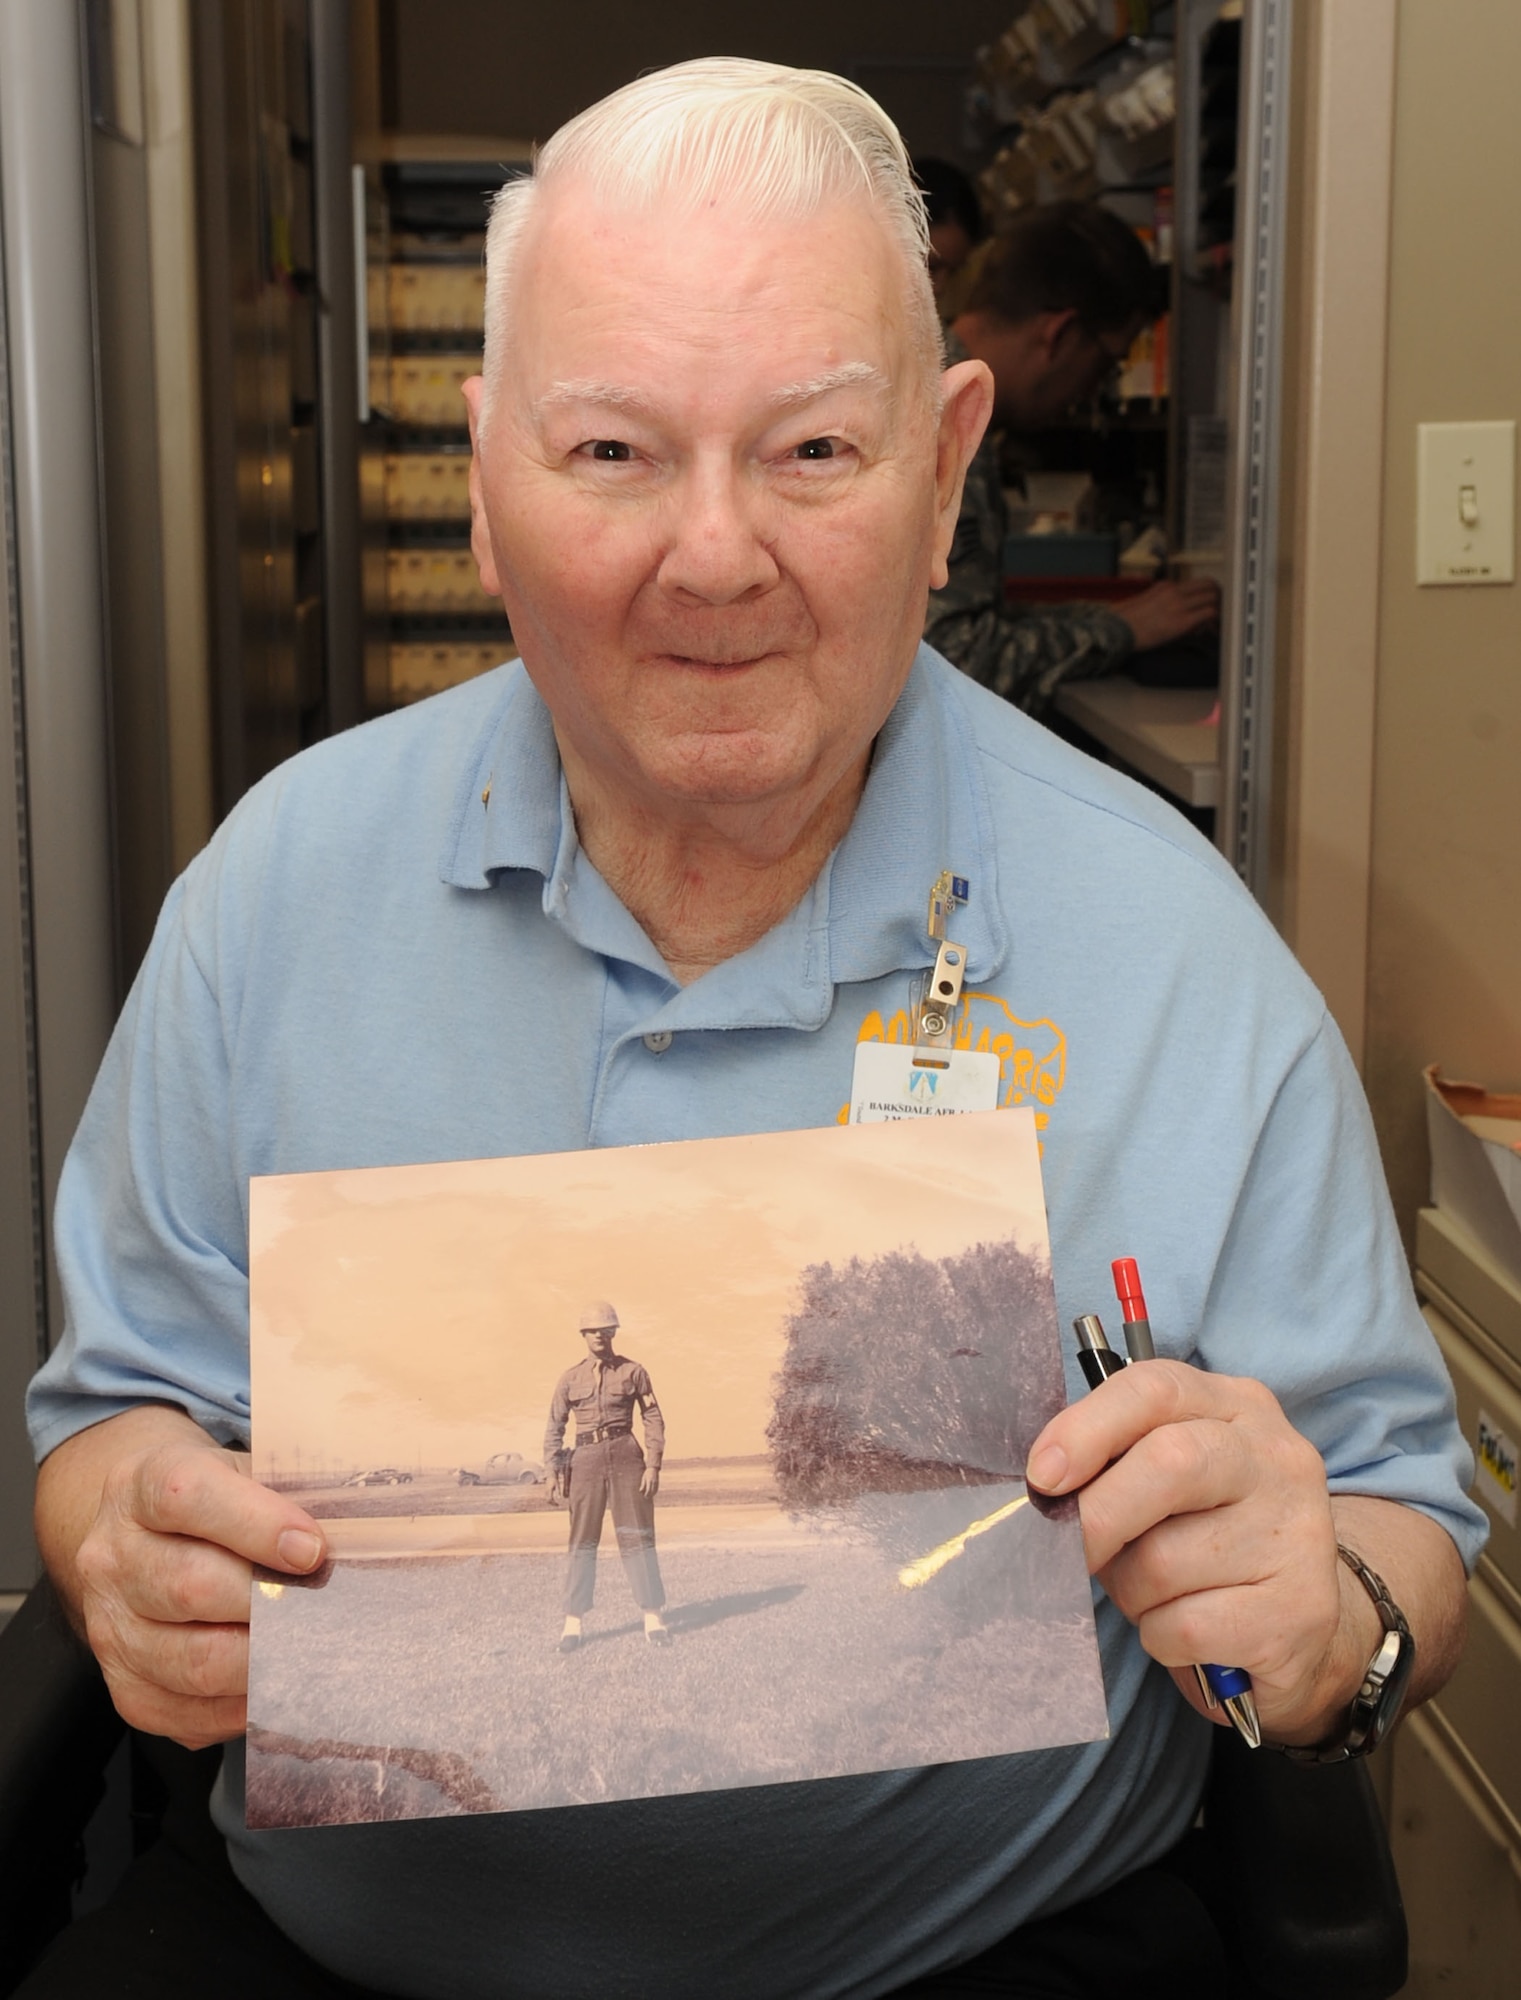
{"type": "Point", "coordinates": [380, 1475]}
{"type": "Point", "coordinates": [503, 1468]}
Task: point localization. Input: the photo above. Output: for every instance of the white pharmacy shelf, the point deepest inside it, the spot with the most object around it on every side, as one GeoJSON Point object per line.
{"type": "Point", "coordinates": [1170, 735]}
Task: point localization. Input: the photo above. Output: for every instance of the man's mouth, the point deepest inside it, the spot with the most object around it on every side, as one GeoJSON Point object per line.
{"type": "Point", "coordinates": [705, 663]}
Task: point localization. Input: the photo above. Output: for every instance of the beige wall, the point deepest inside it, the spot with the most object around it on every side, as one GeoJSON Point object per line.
{"type": "Point", "coordinates": [1444, 946]}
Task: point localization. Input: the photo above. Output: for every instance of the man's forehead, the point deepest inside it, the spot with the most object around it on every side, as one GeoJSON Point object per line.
{"type": "Point", "coordinates": [689, 312]}
{"type": "Point", "coordinates": [589, 251]}
{"type": "Point", "coordinates": [577, 206]}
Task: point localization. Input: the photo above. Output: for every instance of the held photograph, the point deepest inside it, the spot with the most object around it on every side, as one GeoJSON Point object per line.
{"type": "Point", "coordinates": [660, 1469]}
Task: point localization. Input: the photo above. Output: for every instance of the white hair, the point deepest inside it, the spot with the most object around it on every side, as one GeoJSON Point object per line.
{"type": "Point", "coordinates": [787, 141]}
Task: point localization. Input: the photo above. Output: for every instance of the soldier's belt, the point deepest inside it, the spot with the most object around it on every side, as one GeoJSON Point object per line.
{"type": "Point", "coordinates": [603, 1432]}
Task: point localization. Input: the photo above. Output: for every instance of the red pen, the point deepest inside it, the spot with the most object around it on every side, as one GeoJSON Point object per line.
{"type": "Point", "coordinates": [1136, 1327]}
{"type": "Point", "coordinates": [1227, 1685]}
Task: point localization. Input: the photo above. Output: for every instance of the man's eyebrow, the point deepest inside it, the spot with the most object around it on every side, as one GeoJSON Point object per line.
{"type": "Point", "coordinates": [619, 396]}
{"type": "Point", "coordinates": [613, 395]}
{"type": "Point", "coordinates": [844, 377]}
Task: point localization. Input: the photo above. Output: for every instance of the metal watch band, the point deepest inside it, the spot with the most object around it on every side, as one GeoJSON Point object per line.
{"type": "Point", "coordinates": [1382, 1689]}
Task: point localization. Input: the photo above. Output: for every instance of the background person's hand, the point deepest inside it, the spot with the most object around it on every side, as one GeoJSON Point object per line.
{"type": "Point", "coordinates": [1170, 610]}
{"type": "Point", "coordinates": [1207, 1518]}
{"type": "Point", "coordinates": [159, 1578]}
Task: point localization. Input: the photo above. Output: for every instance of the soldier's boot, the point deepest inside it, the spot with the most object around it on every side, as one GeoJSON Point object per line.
{"type": "Point", "coordinates": [570, 1638]}
{"type": "Point", "coordinates": [656, 1630]}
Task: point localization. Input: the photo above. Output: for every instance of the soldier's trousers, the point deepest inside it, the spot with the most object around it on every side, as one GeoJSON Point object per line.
{"type": "Point", "coordinates": [603, 1475]}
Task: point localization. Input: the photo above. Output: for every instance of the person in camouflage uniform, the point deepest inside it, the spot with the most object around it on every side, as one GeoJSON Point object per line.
{"type": "Point", "coordinates": [1024, 655]}
{"type": "Point", "coordinates": [1054, 312]}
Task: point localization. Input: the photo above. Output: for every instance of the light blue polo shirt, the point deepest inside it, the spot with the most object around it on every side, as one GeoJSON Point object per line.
{"type": "Point", "coordinates": [395, 950]}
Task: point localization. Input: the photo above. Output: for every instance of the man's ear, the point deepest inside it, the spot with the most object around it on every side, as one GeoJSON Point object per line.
{"type": "Point", "coordinates": [473, 391]}
{"type": "Point", "coordinates": [966, 405]}
{"type": "Point", "coordinates": [1053, 331]}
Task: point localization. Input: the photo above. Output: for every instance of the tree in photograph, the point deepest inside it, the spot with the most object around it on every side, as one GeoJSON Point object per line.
{"type": "Point", "coordinates": [906, 1372]}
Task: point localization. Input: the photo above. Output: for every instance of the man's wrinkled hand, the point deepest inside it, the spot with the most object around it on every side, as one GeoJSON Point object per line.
{"type": "Point", "coordinates": [1207, 1518]}
{"type": "Point", "coordinates": [164, 1575]}
{"type": "Point", "coordinates": [649, 1486]}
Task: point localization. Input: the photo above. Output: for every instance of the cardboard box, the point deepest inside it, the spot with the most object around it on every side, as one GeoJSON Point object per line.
{"type": "Point", "coordinates": [1476, 1163]}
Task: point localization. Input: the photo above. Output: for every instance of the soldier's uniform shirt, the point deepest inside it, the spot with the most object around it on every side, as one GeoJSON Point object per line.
{"type": "Point", "coordinates": [607, 1472]}
{"type": "Point", "coordinates": [1023, 655]}
{"type": "Point", "coordinates": [1197, 1111]}
{"type": "Point", "coordinates": [605, 1392]}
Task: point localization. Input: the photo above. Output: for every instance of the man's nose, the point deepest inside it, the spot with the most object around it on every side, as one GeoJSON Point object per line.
{"type": "Point", "coordinates": [716, 552]}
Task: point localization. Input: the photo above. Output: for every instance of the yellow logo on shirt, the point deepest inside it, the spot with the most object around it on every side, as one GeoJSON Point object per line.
{"type": "Point", "coordinates": [1032, 1055]}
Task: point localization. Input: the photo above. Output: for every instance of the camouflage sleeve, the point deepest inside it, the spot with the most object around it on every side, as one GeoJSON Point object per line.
{"type": "Point", "coordinates": [1026, 655]}
{"type": "Point", "coordinates": [1022, 655]}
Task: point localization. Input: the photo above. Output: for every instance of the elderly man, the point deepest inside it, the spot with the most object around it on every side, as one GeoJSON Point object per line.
{"type": "Point", "coordinates": [607, 1469]}
{"type": "Point", "coordinates": [681, 854]}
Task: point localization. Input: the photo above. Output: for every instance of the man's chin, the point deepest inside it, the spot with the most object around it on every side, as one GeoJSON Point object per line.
{"type": "Point", "coordinates": [738, 768]}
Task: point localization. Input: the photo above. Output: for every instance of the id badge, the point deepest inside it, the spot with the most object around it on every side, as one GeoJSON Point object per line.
{"type": "Point", "coordinates": [888, 1083]}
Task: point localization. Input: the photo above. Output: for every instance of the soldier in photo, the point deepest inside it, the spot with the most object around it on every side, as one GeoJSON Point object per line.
{"type": "Point", "coordinates": [606, 1468]}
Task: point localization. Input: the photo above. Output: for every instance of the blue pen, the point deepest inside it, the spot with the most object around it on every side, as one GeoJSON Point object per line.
{"type": "Point", "coordinates": [1226, 1687]}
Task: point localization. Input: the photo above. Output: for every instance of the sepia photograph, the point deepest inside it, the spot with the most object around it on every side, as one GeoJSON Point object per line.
{"type": "Point", "coordinates": [722, 1442]}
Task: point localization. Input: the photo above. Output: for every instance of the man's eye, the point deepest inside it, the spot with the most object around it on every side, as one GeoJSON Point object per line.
{"type": "Point", "coordinates": [815, 448]}
{"type": "Point", "coordinates": [611, 451]}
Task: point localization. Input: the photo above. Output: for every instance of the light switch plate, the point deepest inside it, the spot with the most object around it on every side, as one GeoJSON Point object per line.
{"type": "Point", "coordinates": [1466, 503]}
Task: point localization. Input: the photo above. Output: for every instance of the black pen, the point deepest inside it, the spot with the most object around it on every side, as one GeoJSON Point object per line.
{"type": "Point", "coordinates": [1221, 1686]}
{"type": "Point", "coordinates": [1095, 1356]}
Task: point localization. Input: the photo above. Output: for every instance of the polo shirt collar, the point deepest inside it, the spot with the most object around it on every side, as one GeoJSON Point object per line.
{"type": "Point", "coordinates": [511, 808]}
{"type": "Point", "coordinates": [925, 808]}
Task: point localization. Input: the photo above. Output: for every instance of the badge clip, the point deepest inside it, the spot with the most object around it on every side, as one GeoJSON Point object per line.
{"type": "Point", "coordinates": [938, 994]}
{"type": "Point", "coordinates": [950, 894]}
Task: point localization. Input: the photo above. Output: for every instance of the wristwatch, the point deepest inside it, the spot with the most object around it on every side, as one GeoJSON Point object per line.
{"type": "Point", "coordinates": [1377, 1701]}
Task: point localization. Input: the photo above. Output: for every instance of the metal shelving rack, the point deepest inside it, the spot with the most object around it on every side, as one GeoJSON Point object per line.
{"type": "Point", "coordinates": [1230, 175]}
{"type": "Point", "coordinates": [1247, 630]}
{"type": "Point", "coordinates": [1227, 343]}
{"type": "Point", "coordinates": [429, 625]}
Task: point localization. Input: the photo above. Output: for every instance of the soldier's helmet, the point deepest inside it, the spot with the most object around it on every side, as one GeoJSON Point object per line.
{"type": "Point", "coordinates": [598, 1314]}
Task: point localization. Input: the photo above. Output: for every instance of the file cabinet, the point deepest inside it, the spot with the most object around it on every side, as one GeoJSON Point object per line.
{"type": "Point", "coordinates": [1455, 1786]}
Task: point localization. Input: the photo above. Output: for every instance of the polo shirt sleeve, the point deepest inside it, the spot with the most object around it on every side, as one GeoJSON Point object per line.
{"type": "Point", "coordinates": [1312, 1295]}
{"type": "Point", "coordinates": [151, 1220]}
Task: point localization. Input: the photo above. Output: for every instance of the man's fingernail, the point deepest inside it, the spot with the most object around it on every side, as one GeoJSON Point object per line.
{"type": "Point", "coordinates": [1046, 1469]}
{"type": "Point", "coordinates": [300, 1549]}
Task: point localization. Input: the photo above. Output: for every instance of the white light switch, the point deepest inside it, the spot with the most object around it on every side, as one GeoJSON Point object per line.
{"type": "Point", "coordinates": [1465, 530]}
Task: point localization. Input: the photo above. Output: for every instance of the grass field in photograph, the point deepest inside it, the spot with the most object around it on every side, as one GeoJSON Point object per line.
{"type": "Point", "coordinates": [433, 1685]}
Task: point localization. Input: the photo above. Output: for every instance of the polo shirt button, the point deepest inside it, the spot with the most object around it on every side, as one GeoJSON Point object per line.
{"type": "Point", "coordinates": [658, 1043]}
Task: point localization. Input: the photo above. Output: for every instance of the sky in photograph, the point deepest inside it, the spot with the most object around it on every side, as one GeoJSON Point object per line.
{"type": "Point", "coordinates": [422, 1315]}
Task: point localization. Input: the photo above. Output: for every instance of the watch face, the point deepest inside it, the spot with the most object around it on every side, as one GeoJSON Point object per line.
{"type": "Point", "coordinates": [1380, 1697]}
